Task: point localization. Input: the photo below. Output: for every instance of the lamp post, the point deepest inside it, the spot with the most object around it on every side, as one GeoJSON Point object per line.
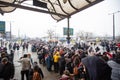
{"type": "Point", "coordinates": [10, 32]}
{"type": "Point", "coordinates": [113, 14]}
{"type": "Point", "coordinates": [10, 29]}
{"type": "Point", "coordinates": [68, 31]}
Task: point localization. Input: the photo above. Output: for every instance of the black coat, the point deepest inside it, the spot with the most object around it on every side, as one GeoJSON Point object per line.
{"type": "Point", "coordinates": [8, 71]}
{"type": "Point", "coordinates": [1, 69]}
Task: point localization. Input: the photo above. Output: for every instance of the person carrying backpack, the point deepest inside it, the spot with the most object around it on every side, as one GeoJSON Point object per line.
{"type": "Point", "coordinates": [36, 74]}
{"type": "Point", "coordinates": [79, 70]}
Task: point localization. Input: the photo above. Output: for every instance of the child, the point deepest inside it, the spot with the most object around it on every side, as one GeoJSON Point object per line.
{"type": "Point", "coordinates": [36, 74]}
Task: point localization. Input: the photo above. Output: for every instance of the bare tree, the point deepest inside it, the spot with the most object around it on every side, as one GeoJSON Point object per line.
{"type": "Point", "coordinates": [88, 35]}
{"type": "Point", "coordinates": [50, 33]}
{"type": "Point", "coordinates": [84, 35]}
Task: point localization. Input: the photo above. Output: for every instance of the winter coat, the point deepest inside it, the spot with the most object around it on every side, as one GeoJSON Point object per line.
{"type": "Point", "coordinates": [115, 70]}
{"type": "Point", "coordinates": [8, 71]}
{"type": "Point", "coordinates": [25, 63]}
{"type": "Point", "coordinates": [1, 69]}
{"type": "Point", "coordinates": [49, 61]}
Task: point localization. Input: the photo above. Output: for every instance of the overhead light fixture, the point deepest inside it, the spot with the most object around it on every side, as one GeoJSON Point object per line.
{"type": "Point", "coordinates": [39, 4]}
{"type": "Point", "coordinates": [64, 1]}
{"type": "Point", "coordinates": [1, 12]}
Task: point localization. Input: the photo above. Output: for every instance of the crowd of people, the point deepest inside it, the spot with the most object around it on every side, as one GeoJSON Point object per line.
{"type": "Point", "coordinates": [7, 68]}
{"type": "Point", "coordinates": [29, 68]}
{"type": "Point", "coordinates": [82, 61]}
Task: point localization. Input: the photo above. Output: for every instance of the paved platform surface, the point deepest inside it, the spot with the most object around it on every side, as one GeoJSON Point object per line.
{"type": "Point", "coordinates": [47, 75]}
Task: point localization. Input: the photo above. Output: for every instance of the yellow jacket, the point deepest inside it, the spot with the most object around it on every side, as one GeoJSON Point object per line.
{"type": "Point", "coordinates": [56, 57]}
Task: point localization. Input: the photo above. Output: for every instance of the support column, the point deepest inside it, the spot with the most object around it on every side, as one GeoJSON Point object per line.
{"type": "Point", "coordinates": [68, 31]}
{"type": "Point", "coordinates": [113, 27]}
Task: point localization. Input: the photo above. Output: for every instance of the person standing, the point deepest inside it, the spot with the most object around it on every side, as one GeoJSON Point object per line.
{"type": "Point", "coordinates": [115, 65]}
{"type": "Point", "coordinates": [14, 46]}
{"type": "Point", "coordinates": [10, 46]}
{"type": "Point", "coordinates": [35, 65]}
{"type": "Point", "coordinates": [8, 69]}
{"type": "Point", "coordinates": [36, 75]}
{"type": "Point", "coordinates": [49, 62]}
{"type": "Point", "coordinates": [26, 65]}
{"type": "Point", "coordinates": [18, 47]}
{"type": "Point", "coordinates": [27, 46]}
{"type": "Point", "coordinates": [56, 58]}
{"type": "Point", "coordinates": [11, 56]}
{"type": "Point", "coordinates": [23, 46]}
{"type": "Point", "coordinates": [62, 63]}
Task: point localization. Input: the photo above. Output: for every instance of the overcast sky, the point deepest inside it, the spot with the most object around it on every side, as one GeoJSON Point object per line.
{"type": "Point", "coordinates": [94, 19]}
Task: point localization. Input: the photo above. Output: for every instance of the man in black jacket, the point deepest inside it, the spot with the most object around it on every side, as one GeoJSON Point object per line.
{"type": "Point", "coordinates": [1, 70]}
{"type": "Point", "coordinates": [8, 70]}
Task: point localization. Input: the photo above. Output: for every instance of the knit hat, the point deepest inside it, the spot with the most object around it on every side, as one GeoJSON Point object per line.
{"type": "Point", "coordinates": [66, 72]}
{"type": "Point", "coordinates": [4, 59]}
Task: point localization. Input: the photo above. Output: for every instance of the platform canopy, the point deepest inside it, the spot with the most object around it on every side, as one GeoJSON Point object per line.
{"type": "Point", "coordinates": [58, 9]}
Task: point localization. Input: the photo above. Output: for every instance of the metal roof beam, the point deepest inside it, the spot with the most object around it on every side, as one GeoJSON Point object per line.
{"type": "Point", "coordinates": [83, 8]}
{"type": "Point", "coordinates": [30, 8]}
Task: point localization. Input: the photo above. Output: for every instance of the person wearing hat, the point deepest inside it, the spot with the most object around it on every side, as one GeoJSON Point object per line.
{"type": "Point", "coordinates": [8, 70]}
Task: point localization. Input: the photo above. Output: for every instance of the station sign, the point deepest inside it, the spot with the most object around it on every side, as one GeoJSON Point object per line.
{"type": "Point", "coordinates": [2, 27]}
{"type": "Point", "coordinates": [66, 29]}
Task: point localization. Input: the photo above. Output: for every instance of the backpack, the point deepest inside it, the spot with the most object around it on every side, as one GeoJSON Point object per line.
{"type": "Point", "coordinates": [36, 76]}
{"type": "Point", "coordinates": [81, 71]}
{"type": "Point", "coordinates": [75, 70]}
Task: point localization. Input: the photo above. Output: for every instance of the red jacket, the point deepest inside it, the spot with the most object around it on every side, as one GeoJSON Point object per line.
{"type": "Point", "coordinates": [118, 45]}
